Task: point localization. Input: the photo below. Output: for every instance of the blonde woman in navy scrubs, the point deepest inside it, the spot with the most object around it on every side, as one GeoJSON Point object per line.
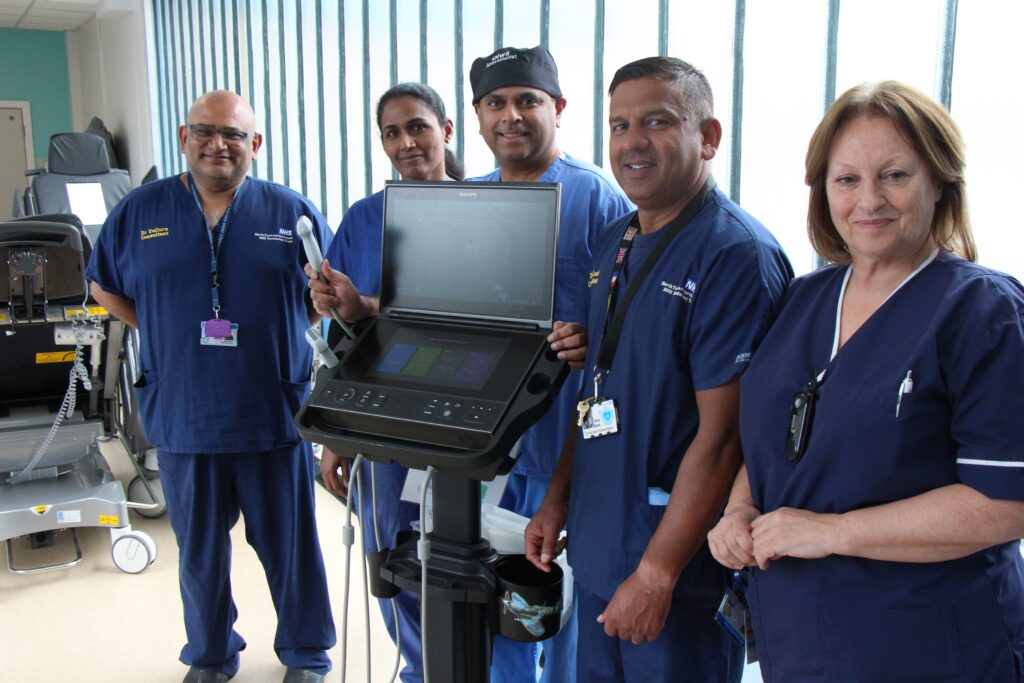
{"type": "Point", "coordinates": [880, 502]}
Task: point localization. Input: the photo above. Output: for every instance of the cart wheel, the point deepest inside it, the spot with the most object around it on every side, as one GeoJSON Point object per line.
{"type": "Point", "coordinates": [133, 552]}
{"type": "Point", "coordinates": [137, 493]}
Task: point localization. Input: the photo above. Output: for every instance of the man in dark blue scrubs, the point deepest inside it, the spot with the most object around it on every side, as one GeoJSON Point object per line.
{"type": "Point", "coordinates": [679, 294]}
{"type": "Point", "coordinates": [519, 105]}
{"type": "Point", "coordinates": [208, 268]}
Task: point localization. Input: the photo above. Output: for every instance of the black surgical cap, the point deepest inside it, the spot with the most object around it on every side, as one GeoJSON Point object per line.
{"type": "Point", "coordinates": [534, 68]}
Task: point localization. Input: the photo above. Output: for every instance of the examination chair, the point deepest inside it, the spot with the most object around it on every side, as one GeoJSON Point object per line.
{"type": "Point", "coordinates": [75, 158]}
{"type": "Point", "coordinates": [86, 158]}
{"type": "Point", "coordinates": [53, 350]}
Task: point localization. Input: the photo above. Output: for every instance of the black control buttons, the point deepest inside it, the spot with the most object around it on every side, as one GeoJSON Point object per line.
{"type": "Point", "coordinates": [479, 413]}
{"type": "Point", "coordinates": [343, 395]}
{"type": "Point", "coordinates": [437, 409]}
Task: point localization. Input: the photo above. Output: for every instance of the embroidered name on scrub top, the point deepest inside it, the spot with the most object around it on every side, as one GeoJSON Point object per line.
{"type": "Point", "coordinates": [598, 416]}
{"type": "Point", "coordinates": [801, 412]}
{"type": "Point", "coordinates": [217, 331]}
{"type": "Point", "coordinates": [150, 233]}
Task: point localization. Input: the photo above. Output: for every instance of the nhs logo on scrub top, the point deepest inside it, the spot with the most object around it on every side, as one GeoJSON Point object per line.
{"type": "Point", "coordinates": [685, 291]}
{"type": "Point", "coordinates": [282, 235]}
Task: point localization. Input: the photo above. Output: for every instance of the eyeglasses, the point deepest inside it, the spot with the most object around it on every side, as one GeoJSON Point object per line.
{"type": "Point", "coordinates": [204, 133]}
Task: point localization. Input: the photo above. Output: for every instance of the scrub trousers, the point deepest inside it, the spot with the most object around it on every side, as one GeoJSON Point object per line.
{"type": "Point", "coordinates": [274, 490]}
{"type": "Point", "coordinates": [392, 515]}
{"type": "Point", "coordinates": [692, 648]}
{"type": "Point", "coordinates": [515, 662]}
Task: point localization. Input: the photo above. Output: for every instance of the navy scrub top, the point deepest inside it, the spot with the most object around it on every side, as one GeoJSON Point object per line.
{"type": "Point", "coordinates": [957, 328]}
{"type": "Point", "coordinates": [693, 325]}
{"type": "Point", "coordinates": [154, 250]}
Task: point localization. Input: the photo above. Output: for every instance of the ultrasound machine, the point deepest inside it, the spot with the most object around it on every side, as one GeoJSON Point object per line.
{"type": "Point", "coordinates": [446, 378]}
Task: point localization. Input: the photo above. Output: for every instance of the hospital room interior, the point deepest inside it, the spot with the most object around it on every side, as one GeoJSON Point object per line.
{"type": "Point", "coordinates": [98, 105]}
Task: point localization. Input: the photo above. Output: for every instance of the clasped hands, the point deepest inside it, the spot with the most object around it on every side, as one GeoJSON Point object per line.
{"type": "Point", "coordinates": [744, 537]}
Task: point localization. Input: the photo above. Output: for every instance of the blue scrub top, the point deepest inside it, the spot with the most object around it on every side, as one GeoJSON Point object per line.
{"type": "Point", "coordinates": [693, 325]}
{"type": "Point", "coordinates": [958, 328]}
{"type": "Point", "coordinates": [591, 201]}
{"type": "Point", "coordinates": [356, 247]}
{"type": "Point", "coordinates": [155, 251]}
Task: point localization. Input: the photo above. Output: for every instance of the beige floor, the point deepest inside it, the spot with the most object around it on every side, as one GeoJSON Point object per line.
{"type": "Point", "coordinates": [93, 623]}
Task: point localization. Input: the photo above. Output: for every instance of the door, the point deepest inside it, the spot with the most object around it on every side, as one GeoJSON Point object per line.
{"type": "Point", "coordinates": [12, 151]}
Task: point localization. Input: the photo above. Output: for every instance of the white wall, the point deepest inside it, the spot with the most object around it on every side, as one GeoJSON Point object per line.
{"type": "Point", "coordinates": [107, 65]}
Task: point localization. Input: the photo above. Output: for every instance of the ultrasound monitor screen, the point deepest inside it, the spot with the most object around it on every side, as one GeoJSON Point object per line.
{"type": "Point", "coordinates": [471, 249]}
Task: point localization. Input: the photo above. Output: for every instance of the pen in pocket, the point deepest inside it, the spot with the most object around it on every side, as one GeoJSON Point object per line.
{"type": "Point", "coordinates": [906, 387]}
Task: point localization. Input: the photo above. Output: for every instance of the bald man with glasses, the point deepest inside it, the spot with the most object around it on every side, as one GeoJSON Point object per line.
{"type": "Point", "coordinates": [207, 267]}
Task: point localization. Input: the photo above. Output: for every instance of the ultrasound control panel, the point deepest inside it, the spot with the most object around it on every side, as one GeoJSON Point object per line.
{"type": "Point", "coordinates": [411, 405]}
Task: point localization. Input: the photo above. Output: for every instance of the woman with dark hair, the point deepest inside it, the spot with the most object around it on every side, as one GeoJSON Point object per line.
{"type": "Point", "coordinates": [880, 504]}
{"type": "Point", "coordinates": [414, 132]}
{"type": "Point", "coordinates": [419, 96]}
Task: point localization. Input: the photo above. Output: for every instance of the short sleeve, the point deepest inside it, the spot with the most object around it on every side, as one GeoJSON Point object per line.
{"type": "Point", "coordinates": [734, 307]}
{"type": "Point", "coordinates": [985, 375]}
{"type": "Point", "coordinates": [356, 248]}
{"type": "Point", "coordinates": [103, 268]}
{"type": "Point", "coordinates": [335, 252]}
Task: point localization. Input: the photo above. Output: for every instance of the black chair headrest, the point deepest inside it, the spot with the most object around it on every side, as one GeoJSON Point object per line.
{"type": "Point", "coordinates": [78, 154]}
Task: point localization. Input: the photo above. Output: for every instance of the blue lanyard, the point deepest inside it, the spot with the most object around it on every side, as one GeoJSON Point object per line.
{"type": "Point", "coordinates": [222, 228]}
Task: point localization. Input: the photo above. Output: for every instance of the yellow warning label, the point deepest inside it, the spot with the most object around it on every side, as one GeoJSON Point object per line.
{"type": "Point", "coordinates": [4, 318]}
{"type": "Point", "coordinates": [109, 520]}
{"type": "Point", "coordinates": [55, 357]}
{"type": "Point", "coordinates": [41, 509]}
{"type": "Point", "coordinates": [72, 312]}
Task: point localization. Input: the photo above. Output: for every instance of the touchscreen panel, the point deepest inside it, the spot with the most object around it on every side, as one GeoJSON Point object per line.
{"type": "Point", "coordinates": [471, 249]}
{"type": "Point", "coordinates": [438, 359]}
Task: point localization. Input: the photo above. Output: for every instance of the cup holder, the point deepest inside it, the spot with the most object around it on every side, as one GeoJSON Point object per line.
{"type": "Point", "coordinates": [529, 600]}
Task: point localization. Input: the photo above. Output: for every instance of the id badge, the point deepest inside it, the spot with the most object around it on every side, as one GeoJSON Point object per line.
{"type": "Point", "coordinates": [220, 339]}
{"type": "Point", "coordinates": [732, 616]}
{"type": "Point", "coordinates": [602, 418]}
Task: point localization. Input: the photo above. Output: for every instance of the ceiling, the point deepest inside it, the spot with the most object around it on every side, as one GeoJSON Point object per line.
{"type": "Point", "coordinates": [47, 15]}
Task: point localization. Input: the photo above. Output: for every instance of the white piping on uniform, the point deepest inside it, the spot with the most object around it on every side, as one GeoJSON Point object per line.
{"type": "Point", "coordinates": [990, 463]}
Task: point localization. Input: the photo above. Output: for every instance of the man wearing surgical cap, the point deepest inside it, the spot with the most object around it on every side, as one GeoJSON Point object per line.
{"type": "Point", "coordinates": [519, 105]}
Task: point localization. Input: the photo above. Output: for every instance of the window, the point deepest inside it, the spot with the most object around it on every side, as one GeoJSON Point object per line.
{"type": "Point", "coordinates": [321, 133]}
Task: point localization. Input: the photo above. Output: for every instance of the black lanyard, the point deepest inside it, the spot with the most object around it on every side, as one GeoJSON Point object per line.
{"type": "Point", "coordinates": [616, 314]}
{"type": "Point", "coordinates": [222, 229]}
